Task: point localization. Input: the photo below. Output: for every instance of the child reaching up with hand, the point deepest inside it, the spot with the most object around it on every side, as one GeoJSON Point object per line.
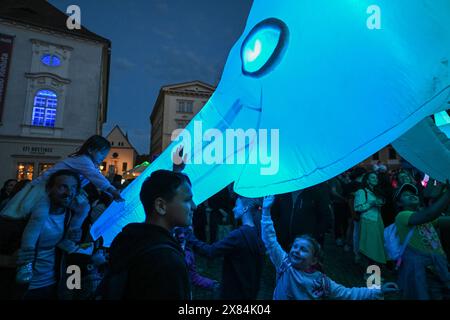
{"type": "Point", "coordinates": [299, 276]}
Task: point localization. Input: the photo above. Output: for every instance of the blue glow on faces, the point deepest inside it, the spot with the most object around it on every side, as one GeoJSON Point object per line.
{"type": "Point", "coordinates": [262, 46]}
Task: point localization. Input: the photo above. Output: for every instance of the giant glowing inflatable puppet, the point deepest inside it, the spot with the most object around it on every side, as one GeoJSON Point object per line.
{"type": "Point", "coordinates": [338, 79]}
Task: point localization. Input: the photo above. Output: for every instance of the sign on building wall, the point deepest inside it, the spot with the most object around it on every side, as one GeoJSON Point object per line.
{"type": "Point", "coordinates": [6, 44]}
{"type": "Point", "coordinates": [37, 150]}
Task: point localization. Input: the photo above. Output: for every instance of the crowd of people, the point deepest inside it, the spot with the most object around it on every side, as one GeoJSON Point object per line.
{"type": "Point", "coordinates": [397, 220]}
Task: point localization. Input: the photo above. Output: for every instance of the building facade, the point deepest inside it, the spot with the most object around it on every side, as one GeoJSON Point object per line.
{"type": "Point", "coordinates": [122, 156]}
{"type": "Point", "coordinates": [387, 156]}
{"type": "Point", "coordinates": [53, 87]}
{"type": "Point", "coordinates": [175, 106]}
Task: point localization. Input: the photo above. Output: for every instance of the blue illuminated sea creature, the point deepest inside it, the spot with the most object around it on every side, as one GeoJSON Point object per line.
{"type": "Point", "coordinates": [339, 79]}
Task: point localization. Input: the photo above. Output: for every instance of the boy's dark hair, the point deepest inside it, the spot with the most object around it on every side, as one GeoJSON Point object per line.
{"type": "Point", "coordinates": [94, 142]}
{"type": "Point", "coordinates": [161, 183]}
{"type": "Point", "coordinates": [52, 179]}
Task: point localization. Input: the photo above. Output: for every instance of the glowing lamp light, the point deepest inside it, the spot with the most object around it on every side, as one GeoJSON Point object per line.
{"type": "Point", "coordinates": [263, 46]}
{"type": "Point", "coordinates": [425, 180]}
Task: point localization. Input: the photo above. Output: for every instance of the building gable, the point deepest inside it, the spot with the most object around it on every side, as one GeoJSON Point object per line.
{"type": "Point", "coordinates": [118, 139]}
{"type": "Point", "coordinates": [194, 87]}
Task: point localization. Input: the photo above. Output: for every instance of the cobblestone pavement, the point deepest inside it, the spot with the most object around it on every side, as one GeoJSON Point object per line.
{"type": "Point", "coordinates": [338, 265]}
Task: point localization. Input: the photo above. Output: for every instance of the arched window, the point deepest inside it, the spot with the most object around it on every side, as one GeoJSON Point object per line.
{"type": "Point", "coordinates": [44, 109]}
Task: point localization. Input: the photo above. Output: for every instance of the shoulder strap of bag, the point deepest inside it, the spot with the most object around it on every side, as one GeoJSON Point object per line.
{"type": "Point", "coordinates": [403, 247]}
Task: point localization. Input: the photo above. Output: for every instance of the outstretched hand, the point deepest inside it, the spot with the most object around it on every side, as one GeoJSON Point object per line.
{"type": "Point", "coordinates": [268, 202]}
{"type": "Point", "coordinates": [116, 195]}
{"type": "Point", "coordinates": [389, 287]}
{"type": "Point", "coordinates": [178, 160]}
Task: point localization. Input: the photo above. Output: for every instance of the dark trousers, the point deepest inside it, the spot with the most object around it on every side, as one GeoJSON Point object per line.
{"type": "Point", "coordinates": [44, 293]}
{"type": "Point", "coordinates": [7, 283]}
{"type": "Point", "coordinates": [199, 222]}
{"type": "Point", "coordinates": [214, 220]}
{"type": "Point", "coordinates": [341, 217]}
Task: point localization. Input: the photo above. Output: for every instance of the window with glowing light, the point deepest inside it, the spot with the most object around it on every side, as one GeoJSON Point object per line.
{"type": "Point", "coordinates": [45, 166]}
{"type": "Point", "coordinates": [44, 108]}
{"type": "Point", "coordinates": [51, 60]}
{"type": "Point", "coordinates": [25, 171]}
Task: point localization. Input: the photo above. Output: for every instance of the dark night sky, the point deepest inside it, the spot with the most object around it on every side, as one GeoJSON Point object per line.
{"type": "Point", "coordinates": [159, 42]}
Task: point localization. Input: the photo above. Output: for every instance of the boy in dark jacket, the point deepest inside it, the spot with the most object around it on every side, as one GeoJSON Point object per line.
{"type": "Point", "coordinates": [151, 256]}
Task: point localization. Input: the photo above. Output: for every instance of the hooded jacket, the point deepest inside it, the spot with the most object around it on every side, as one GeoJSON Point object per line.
{"type": "Point", "coordinates": [243, 253]}
{"type": "Point", "coordinates": [153, 274]}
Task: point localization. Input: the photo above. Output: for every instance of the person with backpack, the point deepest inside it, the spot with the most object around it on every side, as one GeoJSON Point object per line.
{"type": "Point", "coordinates": [423, 260]}
{"type": "Point", "coordinates": [353, 186]}
{"type": "Point", "coordinates": [368, 203]}
{"type": "Point", "coordinates": [62, 187]}
{"type": "Point", "coordinates": [146, 261]}
{"type": "Point", "coordinates": [85, 163]}
{"type": "Point", "coordinates": [243, 252]}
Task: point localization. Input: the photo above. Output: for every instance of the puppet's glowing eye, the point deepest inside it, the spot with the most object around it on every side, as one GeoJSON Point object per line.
{"type": "Point", "coordinates": [263, 47]}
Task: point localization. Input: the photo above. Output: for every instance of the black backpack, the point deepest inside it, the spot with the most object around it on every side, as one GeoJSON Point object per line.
{"type": "Point", "coordinates": [114, 283]}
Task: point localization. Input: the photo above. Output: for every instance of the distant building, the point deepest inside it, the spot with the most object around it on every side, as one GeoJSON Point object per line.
{"type": "Point", "coordinates": [387, 156]}
{"type": "Point", "coordinates": [392, 159]}
{"type": "Point", "coordinates": [121, 157]}
{"type": "Point", "coordinates": [53, 87]}
{"type": "Point", "coordinates": [175, 106]}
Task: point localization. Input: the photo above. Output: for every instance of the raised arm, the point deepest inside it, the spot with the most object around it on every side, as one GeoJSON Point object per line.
{"type": "Point", "coordinates": [269, 237]}
{"type": "Point", "coordinates": [219, 248]}
{"type": "Point", "coordinates": [86, 167]}
{"type": "Point", "coordinates": [432, 212]}
{"type": "Point", "coordinates": [339, 292]}
{"type": "Point", "coordinates": [197, 279]}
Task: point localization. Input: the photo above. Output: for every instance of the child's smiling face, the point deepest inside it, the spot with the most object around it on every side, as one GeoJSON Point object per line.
{"type": "Point", "coordinates": [302, 254]}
